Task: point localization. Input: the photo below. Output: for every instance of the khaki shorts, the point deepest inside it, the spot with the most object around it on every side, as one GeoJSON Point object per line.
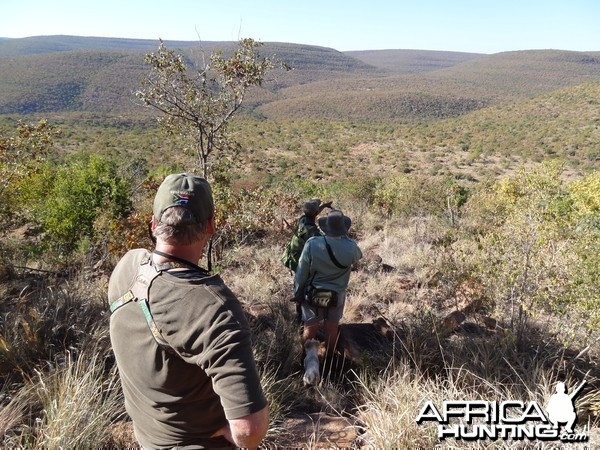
{"type": "Point", "coordinates": [311, 314]}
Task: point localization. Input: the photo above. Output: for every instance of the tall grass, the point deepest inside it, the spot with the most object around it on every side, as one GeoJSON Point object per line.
{"type": "Point", "coordinates": [71, 405]}
{"type": "Point", "coordinates": [60, 388]}
{"type": "Point", "coordinates": [391, 401]}
{"type": "Point", "coordinates": [387, 411]}
{"type": "Point", "coordinates": [12, 414]}
{"type": "Point", "coordinates": [79, 403]}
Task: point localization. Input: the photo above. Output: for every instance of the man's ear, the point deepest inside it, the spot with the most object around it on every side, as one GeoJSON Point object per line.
{"type": "Point", "coordinates": [151, 228]}
{"type": "Point", "coordinates": [210, 226]}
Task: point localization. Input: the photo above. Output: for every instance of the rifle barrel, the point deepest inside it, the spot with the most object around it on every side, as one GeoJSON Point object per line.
{"type": "Point", "coordinates": [576, 391]}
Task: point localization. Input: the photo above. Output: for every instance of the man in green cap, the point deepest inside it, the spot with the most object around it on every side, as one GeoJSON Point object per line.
{"type": "Point", "coordinates": [180, 336]}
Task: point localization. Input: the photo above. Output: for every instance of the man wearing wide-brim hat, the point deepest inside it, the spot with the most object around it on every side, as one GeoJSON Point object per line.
{"type": "Point", "coordinates": [325, 264]}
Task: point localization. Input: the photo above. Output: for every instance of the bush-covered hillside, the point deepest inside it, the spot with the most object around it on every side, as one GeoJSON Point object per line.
{"type": "Point", "coordinates": [412, 61]}
{"type": "Point", "coordinates": [61, 73]}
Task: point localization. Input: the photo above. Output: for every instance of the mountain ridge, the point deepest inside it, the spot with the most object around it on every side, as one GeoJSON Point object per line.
{"type": "Point", "coordinates": [48, 74]}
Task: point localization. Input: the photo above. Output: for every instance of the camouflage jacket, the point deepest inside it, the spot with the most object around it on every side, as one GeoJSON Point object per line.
{"type": "Point", "coordinates": [304, 230]}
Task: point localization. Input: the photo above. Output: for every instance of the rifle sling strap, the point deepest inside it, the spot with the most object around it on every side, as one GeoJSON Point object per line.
{"type": "Point", "coordinates": [332, 256]}
{"type": "Point", "coordinates": [147, 272]}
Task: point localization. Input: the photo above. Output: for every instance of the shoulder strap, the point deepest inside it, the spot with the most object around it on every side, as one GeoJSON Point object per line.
{"type": "Point", "coordinates": [145, 275]}
{"type": "Point", "coordinates": [332, 256]}
{"type": "Point", "coordinates": [147, 272]}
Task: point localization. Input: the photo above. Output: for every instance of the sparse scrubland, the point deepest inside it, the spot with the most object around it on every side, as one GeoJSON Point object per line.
{"type": "Point", "coordinates": [479, 221]}
{"type": "Point", "coordinates": [480, 291]}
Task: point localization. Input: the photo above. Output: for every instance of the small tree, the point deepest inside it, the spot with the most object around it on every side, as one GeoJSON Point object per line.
{"type": "Point", "coordinates": [22, 152]}
{"type": "Point", "coordinates": [200, 103]}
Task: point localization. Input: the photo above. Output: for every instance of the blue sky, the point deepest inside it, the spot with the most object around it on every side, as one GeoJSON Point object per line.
{"type": "Point", "coordinates": [481, 26]}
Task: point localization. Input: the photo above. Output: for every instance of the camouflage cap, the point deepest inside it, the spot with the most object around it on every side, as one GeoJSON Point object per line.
{"type": "Point", "coordinates": [187, 190]}
{"type": "Point", "coordinates": [311, 207]}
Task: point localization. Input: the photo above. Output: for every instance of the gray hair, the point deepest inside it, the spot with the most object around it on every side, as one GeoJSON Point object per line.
{"type": "Point", "coordinates": [178, 226]}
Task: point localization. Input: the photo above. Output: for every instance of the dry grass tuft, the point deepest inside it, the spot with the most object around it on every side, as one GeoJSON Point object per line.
{"type": "Point", "coordinates": [79, 401]}
{"type": "Point", "coordinates": [71, 404]}
{"type": "Point", "coordinates": [387, 411]}
{"type": "Point", "coordinates": [391, 402]}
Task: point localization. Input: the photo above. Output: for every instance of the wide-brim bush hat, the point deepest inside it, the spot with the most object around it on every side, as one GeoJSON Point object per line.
{"type": "Point", "coordinates": [312, 206]}
{"type": "Point", "coordinates": [187, 190]}
{"type": "Point", "coordinates": [335, 223]}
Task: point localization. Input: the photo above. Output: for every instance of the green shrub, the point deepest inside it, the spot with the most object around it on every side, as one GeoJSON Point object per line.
{"type": "Point", "coordinates": [408, 195]}
{"type": "Point", "coordinates": [21, 155]}
{"type": "Point", "coordinates": [67, 200]}
{"type": "Point", "coordinates": [359, 191]}
{"type": "Point", "coordinates": [585, 289]}
{"type": "Point", "coordinates": [535, 256]}
{"type": "Point", "coordinates": [585, 194]}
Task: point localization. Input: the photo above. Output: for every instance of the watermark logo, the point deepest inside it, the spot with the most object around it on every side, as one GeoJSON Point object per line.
{"type": "Point", "coordinates": [511, 419]}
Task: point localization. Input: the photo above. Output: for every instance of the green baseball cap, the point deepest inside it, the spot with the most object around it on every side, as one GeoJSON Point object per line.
{"type": "Point", "coordinates": [187, 190]}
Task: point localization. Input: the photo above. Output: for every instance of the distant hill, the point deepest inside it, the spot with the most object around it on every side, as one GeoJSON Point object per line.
{"type": "Point", "coordinates": [437, 94]}
{"type": "Point", "coordinates": [38, 45]}
{"type": "Point", "coordinates": [48, 74]}
{"type": "Point", "coordinates": [522, 74]}
{"type": "Point", "coordinates": [65, 73]}
{"type": "Point", "coordinates": [564, 123]}
{"type": "Point", "coordinates": [412, 61]}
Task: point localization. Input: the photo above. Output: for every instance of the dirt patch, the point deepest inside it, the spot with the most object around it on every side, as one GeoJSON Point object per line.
{"type": "Point", "coordinates": [316, 431]}
{"type": "Point", "coordinates": [121, 436]}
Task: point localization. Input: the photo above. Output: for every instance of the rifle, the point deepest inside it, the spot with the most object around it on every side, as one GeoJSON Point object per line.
{"type": "Point", "coordinates": [576, 391]}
